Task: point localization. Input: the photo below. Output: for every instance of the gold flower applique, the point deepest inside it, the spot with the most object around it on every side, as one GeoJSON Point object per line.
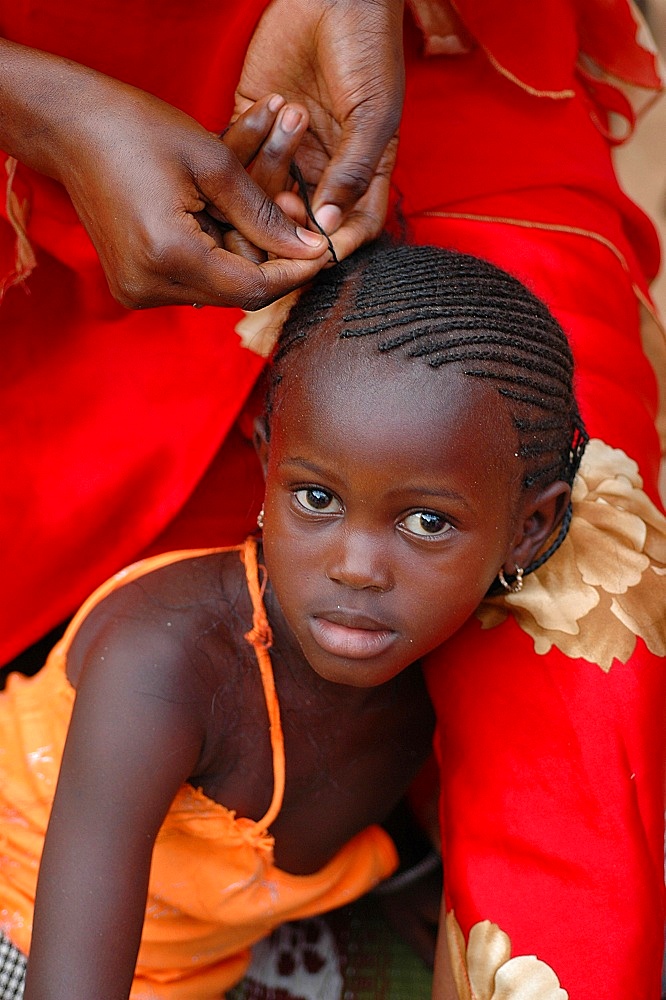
{"type": "Point", "coordinates": [484, 969]}
{"type": "Point", "coordinates": [606, 584]}
{"type": "Point", "coordinates": [260, 329]}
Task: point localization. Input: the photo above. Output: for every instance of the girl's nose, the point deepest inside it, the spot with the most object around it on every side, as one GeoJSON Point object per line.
{"type": "Point", "coordinates": [359, 561]}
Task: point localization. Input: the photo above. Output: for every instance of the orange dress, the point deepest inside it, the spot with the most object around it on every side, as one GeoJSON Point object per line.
{"type": "Point", "coordinates": [214, 889]}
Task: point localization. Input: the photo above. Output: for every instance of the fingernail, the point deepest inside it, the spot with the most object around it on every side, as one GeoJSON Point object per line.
{"type": "Point", "coordinates": [276, 102]}
{"type": "Point", "coordinates": [291, 119]}
{"type": "Point", "coordinates": [310, 239]}
{"type": "Point", "coordinates": [329, 217]}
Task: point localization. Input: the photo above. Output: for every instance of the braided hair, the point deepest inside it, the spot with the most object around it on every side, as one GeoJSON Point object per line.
{"type": "Point", "coordinates": [446, 307]}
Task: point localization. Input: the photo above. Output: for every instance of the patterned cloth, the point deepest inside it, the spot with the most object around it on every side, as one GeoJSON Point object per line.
{"type": "Point", "coordinates": [350, 954]}
{"type": "Point", "coordinates": [12, 970]}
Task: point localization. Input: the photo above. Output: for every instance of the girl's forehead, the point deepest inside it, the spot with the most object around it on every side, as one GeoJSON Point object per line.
{"type": "Point", "coordinates": [388, 428]}
{"type": "Point", "coordinates": [390, 394]}
{"type": "Point", "coordinates": [327, 357]}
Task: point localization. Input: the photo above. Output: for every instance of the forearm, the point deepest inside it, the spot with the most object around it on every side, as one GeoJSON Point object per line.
{"type": "Point", "coordinates": [42, 100]}
{"type": "Point", "coordinates": [86, 932]}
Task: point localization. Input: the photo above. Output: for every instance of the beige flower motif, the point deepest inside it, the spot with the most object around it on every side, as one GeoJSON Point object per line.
{"type": "Point", "coordinates": [259, 330]}
{"type": "Point", "coordinates": [484, 969]}
{"type": "Point", "coordinates": [606, 584]}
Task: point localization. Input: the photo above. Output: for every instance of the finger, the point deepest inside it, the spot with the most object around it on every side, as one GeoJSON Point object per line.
{"type": "Point", "coordinates": [233, 281]}
{"type": "Point", "coordinates": [293, 206]}
{"type": "Point", "coordinates": [215, 228]}
{"type": "Point", "coordinates": [348, 177]}
{"type": "Point", "coordinates": [365, 221]}
{"type": "Point", "coordinates": [235, 242]}
{"type": "Point", "coordinates": [241, 104]}
{"type": "Point", "coordinates": [194, 269]}
{"type": "Point", "coordinates": [247, 133]}
{"type": "Point", "coordinates": [229, 239]}
{"type": "Point", "coordinates": [232, 192]}
{"type": "Point", "coordinates": [284, 276]}
{"type": "Point", "coordinates": [228, 279]}
{"type": "Point", "coordinates": [270, 169]}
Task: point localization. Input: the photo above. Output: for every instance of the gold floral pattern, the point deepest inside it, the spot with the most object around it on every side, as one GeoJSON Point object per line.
{"type": "Point", "coordinates": [606, 584]}
{"type": "Point", "coordinates": [484, 969]}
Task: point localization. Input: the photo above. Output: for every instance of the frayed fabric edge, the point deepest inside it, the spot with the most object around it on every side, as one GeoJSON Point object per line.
{"type": "Point", "coordinates": [17, 211]}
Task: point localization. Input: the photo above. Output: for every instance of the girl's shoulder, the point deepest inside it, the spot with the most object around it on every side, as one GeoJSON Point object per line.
{"type": "Point", "coordinates": [180, 611]}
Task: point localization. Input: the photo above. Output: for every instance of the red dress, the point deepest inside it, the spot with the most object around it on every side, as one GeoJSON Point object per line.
{"type": "Point", "coordinates": [109, 417]}
{"type": "Point", "coordinates": [550, 703]}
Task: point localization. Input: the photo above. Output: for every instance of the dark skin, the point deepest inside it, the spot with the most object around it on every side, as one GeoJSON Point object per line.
{"type": "Point", "coordinates": [168, 690]}
{"type": "Point", "coordinates": [142, 212]}
{"type": "Point", "coordinates": [343, 62]}
{"type": "Point", "coordinates": [131, 745]}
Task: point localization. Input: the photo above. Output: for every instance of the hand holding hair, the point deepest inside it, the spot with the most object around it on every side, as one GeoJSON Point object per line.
{"type": "Point", "coordinates": [139, 173]}
{"type": "Point", "coordinates": [345, 63]}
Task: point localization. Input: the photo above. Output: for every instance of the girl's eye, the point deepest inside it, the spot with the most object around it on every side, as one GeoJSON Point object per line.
{"type": "Point", "coordinates": [426, 524]}
{"type": "Point", "coordinates": [316, 499]}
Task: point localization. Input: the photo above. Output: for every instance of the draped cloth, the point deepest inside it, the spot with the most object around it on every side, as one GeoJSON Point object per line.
{"type": "Point", "coordinates": [109, 419]}
{"type": "Point", "coordinates": [550, 703]}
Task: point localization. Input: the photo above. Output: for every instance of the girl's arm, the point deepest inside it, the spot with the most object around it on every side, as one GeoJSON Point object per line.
{"type": "Point", "coordinates": [136, 734]}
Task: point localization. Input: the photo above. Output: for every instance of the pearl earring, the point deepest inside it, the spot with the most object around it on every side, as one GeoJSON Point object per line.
{"type": "Point", "coordinates": [517, 585]}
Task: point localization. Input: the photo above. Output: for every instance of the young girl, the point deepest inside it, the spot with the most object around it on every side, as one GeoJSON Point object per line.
{"type": "Point", "coordinates": [229, 726]}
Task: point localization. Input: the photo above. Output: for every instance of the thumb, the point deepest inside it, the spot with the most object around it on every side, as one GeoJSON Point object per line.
{"type": "Point", "coordinates": [364, 219]}
{"type": "Point", "coordinates": [364, 155]}
{"type": "Point", "coordinates": [368, 144]}
{"type": "Point", "coordinates": [256, 217]}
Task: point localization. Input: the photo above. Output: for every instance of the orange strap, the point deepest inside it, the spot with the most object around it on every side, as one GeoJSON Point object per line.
{"type": "Point", "coordinates": [261, 638]}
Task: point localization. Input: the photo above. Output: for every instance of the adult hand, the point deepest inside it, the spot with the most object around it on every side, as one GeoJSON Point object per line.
{"type": "Point", "coordinates": [268, 157]}
{"type": "Point", "coordinates": [344, 62]}
{"type": "Point", "coordinates": [139, 173]}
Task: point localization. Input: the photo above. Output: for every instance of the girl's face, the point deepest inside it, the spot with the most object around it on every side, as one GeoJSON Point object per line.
{"type": "Point", "coordinates": [391, 498]}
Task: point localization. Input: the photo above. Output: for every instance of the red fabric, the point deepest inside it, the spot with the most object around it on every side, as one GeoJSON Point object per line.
{"type": "Point", "coordinates": [468, 133]}
{"type": "Point", "coordinates": [109, 417]}
{"type": "Point", "coordinates": [552, 828]}
{"type": "Point", "coordinates": [538, 43]}
{"type": "Point", "coordinates": [551, 770]}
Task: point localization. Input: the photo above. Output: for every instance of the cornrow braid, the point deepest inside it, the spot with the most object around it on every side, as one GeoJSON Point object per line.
{"type": "Point", "coordinates": [445, 307]}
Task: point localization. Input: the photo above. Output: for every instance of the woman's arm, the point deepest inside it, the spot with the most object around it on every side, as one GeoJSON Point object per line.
{"type": "Point", "coordinates": [138, 171]}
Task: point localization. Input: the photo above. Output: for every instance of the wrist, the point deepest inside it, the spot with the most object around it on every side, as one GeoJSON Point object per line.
{"type": "Point", "coordinates": [37, 95]}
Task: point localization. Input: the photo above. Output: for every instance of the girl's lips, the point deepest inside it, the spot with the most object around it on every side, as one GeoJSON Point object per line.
{"type": "Point", "coordinates": [351, 642]}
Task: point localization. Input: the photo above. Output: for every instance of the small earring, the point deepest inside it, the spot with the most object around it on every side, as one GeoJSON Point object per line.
{"type": "Point", "coordinates": [517, 585]}
{"type": "Point", "coordinates": [260, 519]}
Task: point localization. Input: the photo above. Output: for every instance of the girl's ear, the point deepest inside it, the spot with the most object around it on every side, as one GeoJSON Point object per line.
{"type": "Point", "coordinates": [541, 515]}
{"type": "Point", "coordinates": [260, 439]}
